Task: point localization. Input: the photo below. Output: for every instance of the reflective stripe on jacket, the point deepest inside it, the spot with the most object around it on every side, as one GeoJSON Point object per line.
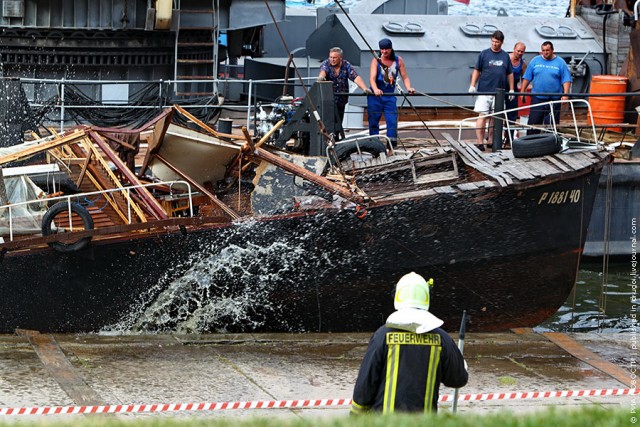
{"type": "Point", "coordinates": [402, 371]}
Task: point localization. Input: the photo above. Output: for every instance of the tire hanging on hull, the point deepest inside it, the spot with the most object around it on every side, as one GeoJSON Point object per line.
{"type": "Point", "coordinates": [48, 222]}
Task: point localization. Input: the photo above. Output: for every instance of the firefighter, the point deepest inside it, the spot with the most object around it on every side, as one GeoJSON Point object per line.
{"type": "Point", "coordinates": [408, 357]}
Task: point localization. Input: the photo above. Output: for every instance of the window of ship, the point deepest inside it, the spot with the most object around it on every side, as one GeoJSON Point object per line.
{"type": "Point", "coordinates": [556, 32]}
{"type": "Point", "coordinates": [484, 30]}
{"type": "Point", "coordinates": [407, 28]}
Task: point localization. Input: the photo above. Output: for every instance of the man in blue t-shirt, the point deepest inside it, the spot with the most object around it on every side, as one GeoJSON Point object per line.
{"type": "Point", "coordinates": [492, 71]}
{"type": "Point", "coordinates": [550, 75]}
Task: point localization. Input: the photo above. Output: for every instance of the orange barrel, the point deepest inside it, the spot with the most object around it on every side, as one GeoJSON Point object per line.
{"type": "Point", "coordinates": [607, 109]}
{"type": "Point", "coordinates": [526, 103]}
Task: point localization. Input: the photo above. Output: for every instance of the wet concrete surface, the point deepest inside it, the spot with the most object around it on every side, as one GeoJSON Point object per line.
{"type": "Point", "coordinates": [250, 367]}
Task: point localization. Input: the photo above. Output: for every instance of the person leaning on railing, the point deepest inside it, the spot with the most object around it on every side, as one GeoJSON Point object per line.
{"type": "Point", "coordinates": [383, 78]}
{"type": "Point", "coordinates": [339, 71]}
{"type": "Point", "coordinates": [549, 75]}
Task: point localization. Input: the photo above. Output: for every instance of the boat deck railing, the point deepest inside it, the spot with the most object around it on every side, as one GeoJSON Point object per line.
{"type": "Point", "coordinates": [63, 105]}
{"type": "Point", "coordinates": [188, 195]}
{"type": "Point", "coordinates": [553, 127]}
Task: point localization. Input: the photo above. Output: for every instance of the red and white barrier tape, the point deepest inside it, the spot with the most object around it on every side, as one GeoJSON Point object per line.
{"type": "Point", "coordinates": [541, 394]}
{"type": "Point", "coordinates": [289, 404]}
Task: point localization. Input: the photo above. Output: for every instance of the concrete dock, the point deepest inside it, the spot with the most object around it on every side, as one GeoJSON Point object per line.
{"type": "Point", "coordinates": [42, 370]}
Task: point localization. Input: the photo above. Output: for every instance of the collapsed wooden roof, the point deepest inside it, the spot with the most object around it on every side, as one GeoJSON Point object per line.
{"type": "Point", "coordinates": [103, 160]}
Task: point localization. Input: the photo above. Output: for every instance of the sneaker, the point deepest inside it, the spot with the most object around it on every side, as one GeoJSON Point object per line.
{"type": "Point", "coordinates": [480, 147]}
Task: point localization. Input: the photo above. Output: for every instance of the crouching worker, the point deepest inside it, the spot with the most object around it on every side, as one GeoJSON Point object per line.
{"type": "Point", "coordinates": [409, 357]}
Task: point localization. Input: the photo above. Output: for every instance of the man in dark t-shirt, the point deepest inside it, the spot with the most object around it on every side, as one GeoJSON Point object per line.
{"type": "Point", "coordinates": [492, 71]}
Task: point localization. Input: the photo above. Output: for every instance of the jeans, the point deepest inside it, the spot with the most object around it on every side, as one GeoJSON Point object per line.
{"type": "Point", "coordinates": [541, 114]}
{"type": "Point", "coordinates": [512, 116]}
{"type": "Point", "coordinates": [376, 107]}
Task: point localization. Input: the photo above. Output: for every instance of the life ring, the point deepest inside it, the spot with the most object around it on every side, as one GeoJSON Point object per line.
{"type": "Point", "coordinates": [47, 222]}
{"type": "Point", "coordinates": [345, 149]}
{"type": "Point", "coordinates": [537, 145]}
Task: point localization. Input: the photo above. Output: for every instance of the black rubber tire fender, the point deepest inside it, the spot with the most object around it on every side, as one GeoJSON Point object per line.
{"type": "Point", "coordinates": [47, 222]}
{"type": "Point", "coordinates": [345, 149]}
{"type": "Point", "coordinates": [537, 145]}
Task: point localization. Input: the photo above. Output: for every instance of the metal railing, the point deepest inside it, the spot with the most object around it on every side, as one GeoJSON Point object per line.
{"type": "Point", "coordinates": [63, 105]}
{"type": "Point", "coordinates": [502, 115]}
{"type": "Point", "coordinates": [74, 197]}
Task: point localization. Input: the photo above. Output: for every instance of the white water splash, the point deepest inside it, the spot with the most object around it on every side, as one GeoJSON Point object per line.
{"type": "Point", "coordinates": [227, 288]}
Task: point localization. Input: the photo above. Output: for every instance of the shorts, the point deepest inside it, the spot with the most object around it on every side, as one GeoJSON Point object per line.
{"type": "Point", "coordinates": [484, 104]}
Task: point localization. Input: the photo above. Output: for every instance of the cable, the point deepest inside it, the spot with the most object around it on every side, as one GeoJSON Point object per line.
{"type": "Point", "coordinates": [605, 9]}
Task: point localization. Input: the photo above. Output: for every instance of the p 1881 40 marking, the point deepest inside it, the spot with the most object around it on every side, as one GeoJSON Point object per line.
{"type": "Point", "coordinates": [560, 197]}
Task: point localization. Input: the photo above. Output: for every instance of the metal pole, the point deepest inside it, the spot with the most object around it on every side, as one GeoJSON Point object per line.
{"type": "Point", "coordinates": [463, 322]}
{"type": "Point", "coordinates": [498, 121]}
{"type": "Point", "coordinates": [62, 107]}
{"type": "Point", "coordinates": [249, 104]}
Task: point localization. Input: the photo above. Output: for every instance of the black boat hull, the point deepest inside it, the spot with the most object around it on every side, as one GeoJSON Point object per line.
{"type": "Point", "coordinates": [508, 256]}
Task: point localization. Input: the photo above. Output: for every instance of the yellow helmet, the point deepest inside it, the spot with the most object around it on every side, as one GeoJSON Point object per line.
{"type": "Point", "coordinates": [412, 291]}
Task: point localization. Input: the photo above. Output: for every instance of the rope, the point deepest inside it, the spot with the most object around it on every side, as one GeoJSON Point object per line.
{"type": "Point", "coordinates": [602, 309]}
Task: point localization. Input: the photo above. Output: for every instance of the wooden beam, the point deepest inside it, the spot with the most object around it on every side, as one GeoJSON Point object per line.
{"type": "Point", "coordinates": [145, 195]}
{"type": "Point", "coordinates": [271, 132]}
{"type": "Point", "coordinates": [153, 227]}
{"type": "Point", "coordinates": [43, 146]}
{"type": "Point", "coordinates": [249, 145]}
{"type": "Point", "coordinates": [119, 141]}
{"type": "Point", "coordinates": [160, 125]}
{"type": "Point", "coordinates": [113, 182]}
{"type": "Point", "coordinates": [204, 126]}
{"type": "Point", "coordinates": [83, 171]}
{"type": "Point", "coordinates": [61, 370]}
{"type": "Point", "coordinates": [314, 178]}
{"type": "Point", "coordinates": [100, 185]}
{"type": "Point", "coordinates": [572, 347]}
{"type": "Point", "coordinates": [4, 200]}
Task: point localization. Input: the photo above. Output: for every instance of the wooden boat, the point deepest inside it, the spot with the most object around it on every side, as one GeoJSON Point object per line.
{"type": "Point", "coordinates": [232, 234]}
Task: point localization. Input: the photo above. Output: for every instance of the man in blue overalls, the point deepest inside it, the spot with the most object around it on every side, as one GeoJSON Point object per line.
{"type": "Point", "coordinates": [383, 77]}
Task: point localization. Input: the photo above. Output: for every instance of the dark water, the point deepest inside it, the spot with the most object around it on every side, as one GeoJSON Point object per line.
{"type": "Point", "coordinates": [600, 302]}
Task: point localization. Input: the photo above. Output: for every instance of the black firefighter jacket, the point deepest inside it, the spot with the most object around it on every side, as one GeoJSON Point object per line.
{"type": "Point", "coordinates": [402, 371]}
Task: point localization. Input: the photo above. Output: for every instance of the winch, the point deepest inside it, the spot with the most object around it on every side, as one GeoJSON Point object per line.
{"type": "Point", "coordinates": [301, 131]}
{"type": "Point", "coordinates": [282, 109]}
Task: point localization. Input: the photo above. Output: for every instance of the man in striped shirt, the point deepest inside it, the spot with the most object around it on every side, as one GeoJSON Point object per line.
{"type": "Point", "coordinates": [409, 357]}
